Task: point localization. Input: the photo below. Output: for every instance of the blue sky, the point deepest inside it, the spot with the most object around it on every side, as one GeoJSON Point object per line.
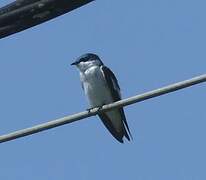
{"type": "Point", "coordinates": [148, 44]}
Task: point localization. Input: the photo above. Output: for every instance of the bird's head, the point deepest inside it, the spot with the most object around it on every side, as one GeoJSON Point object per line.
{"type": "Point", "coordinates": [86, 61]}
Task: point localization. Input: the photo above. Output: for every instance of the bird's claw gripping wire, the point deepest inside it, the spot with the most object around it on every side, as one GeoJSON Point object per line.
{"type": "Point", "coordinates": [99, 108]}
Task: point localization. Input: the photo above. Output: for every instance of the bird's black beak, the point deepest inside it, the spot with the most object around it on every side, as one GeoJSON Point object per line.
{"type": "Point", "coordinates": [74, 63]}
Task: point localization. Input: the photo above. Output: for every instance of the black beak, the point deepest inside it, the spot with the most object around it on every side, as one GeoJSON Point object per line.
{"type": "Point", "coordinates": [74, 63]}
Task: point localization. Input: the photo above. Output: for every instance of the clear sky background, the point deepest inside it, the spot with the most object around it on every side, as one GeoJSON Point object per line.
{"type": "Point", "coordinates": [147, 44]}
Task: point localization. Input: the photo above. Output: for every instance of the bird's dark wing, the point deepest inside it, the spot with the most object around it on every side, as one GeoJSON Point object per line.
{"type": "Point", "coordinates": [111, 82]}
{"type": "Point", "coordinates": [108, 123]}
{"type": "Point", "coordinates": [115, 91]}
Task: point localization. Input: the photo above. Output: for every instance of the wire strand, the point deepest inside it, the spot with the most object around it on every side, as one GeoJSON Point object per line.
{"type": "Point", "coordinates": [94, 111]}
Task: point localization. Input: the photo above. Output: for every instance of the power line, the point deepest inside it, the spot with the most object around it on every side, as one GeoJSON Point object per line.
{"type": "Point", "coordinates": [85, 114]}
{"type": "Point", "coordinates": [23, 14]}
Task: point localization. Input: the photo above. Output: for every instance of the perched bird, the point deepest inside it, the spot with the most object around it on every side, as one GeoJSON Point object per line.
{"type": "Point", "coordinates": [101, 87]}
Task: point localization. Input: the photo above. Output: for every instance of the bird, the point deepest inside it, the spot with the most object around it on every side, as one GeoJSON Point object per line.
{"type": "Point", "coordinates": [101, 87]}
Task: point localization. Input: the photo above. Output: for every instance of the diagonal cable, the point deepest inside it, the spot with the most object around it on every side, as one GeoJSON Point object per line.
{"type": "Point", "coordinates": [85, 114]}
{"type": "Point", "coordinates": [23, 14]}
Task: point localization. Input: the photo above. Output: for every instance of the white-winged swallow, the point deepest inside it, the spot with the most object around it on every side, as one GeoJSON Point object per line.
{"type": "Point", "coordinates": [101, 87]}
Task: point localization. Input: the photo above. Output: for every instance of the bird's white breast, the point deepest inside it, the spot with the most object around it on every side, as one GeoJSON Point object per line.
{"type": "Point", "coordinates": [98, 93]}
{"type": "Point", "coordinates": [95, 87]}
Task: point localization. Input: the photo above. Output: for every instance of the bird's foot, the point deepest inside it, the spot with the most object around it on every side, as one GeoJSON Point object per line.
{"type": "Point", "coordinates": [89, 109]}
{"type": "Point", "coordinates": [98, 109]}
